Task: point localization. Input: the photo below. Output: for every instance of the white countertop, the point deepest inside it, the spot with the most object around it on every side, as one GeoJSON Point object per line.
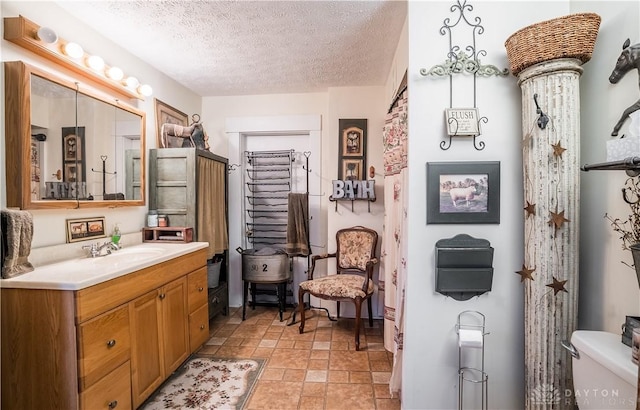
{"type": "Point", "coordinates": [80, 273]}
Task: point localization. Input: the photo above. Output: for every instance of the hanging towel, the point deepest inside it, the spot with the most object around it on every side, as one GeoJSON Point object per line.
{"type": "Point", "coordinates": [17, 232]}
{"type": "Point", "coordinates": [298, 225]}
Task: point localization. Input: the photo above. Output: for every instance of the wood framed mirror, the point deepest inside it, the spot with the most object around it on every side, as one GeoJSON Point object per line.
{"type": "Point", "coordinates": [68, 145]}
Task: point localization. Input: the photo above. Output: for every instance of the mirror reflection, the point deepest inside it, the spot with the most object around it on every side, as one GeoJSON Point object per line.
{"type": "Point", "coordinates": [82, 148]}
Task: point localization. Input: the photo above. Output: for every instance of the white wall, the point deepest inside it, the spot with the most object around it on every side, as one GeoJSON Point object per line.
{"type": "Point", "coordinates": [431, 352]}
{"type": "Point", "coordinates": [608, 289]}
{"type": "Point", "coordinates": [49, 225]}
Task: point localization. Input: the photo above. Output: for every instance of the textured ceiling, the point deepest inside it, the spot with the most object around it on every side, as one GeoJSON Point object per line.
{"type": "Point", "coordinates": [254, 47]}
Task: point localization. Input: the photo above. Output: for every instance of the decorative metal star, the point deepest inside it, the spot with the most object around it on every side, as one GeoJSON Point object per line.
{"type": "Point", "coordinates": [525, 273]}
{"type": "Point", "coordinates": [557, 149]}
{"type": "Point", "coordinates": [530, 208]}
{"type": "Point", "coordinates": [557, 286]}
{"type": "Point", "coordinates": [557, 219]}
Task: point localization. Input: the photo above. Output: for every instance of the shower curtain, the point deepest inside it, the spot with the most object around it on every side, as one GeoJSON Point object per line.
{"type": "Point", "coordinates": [393, 266]}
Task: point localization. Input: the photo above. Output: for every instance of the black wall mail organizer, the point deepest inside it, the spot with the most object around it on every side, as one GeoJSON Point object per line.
{"type": "Point", "coordinates": [464, 266]}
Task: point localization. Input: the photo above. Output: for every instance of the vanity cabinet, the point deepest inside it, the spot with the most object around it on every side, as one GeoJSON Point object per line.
{"type": "Point", "coordinates": [161, 339]}
{"type": "Point", "coordinates": [109, 345]}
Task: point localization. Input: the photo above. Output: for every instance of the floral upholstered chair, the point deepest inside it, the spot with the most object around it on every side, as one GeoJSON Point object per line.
{"type": "Point", "coordinates": [353, 282]}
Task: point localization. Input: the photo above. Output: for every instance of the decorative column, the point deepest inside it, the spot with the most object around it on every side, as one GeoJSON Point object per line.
{"type": "Point", "coordinates": [551, 178]}
{"type": "Point", "coordinates": [548, 72]}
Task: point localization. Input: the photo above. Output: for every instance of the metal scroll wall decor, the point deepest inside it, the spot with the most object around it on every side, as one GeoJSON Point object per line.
{"type": "Point", "coordinates": [463, 60]}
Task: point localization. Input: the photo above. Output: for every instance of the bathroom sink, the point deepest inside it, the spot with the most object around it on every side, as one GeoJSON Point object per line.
{"type": "Point", "coordinates": [127, 255]}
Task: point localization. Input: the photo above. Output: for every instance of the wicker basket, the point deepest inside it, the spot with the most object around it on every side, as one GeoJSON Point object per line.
{"type": "Point", "coordinates": [571, 36]}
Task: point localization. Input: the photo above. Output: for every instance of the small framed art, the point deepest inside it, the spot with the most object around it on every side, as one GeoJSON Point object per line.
{"type": "Point", "coordinates": [352, 155]}
{"type": "Point", "coordinates": [86, 228]}
{"type": "Point", "coordinates": [463, 192]}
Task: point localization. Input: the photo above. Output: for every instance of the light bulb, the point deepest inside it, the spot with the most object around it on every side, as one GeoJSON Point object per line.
{"type": "Point", "coordinates": [47, 35]}
{"type": "Point", "coordinates": [95, 63]}
{"type": "Point", "coordinates": [145, 89]}
{"type": "Point", "coordinates": [115, 73]}
{"type": "Point", "coordinates": [73, 50]}
{"type": "Point", "coordinates": [132, 83]}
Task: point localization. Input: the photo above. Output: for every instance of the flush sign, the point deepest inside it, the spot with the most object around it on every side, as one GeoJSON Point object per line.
{"type": "Point", "coordinates": [462, 121]}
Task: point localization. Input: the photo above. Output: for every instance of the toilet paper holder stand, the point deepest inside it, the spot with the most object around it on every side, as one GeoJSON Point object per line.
{"type": "Point", "coordinates": [471, 374]}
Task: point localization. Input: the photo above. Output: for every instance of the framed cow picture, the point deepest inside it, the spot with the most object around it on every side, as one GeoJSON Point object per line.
{"type": "Point", "coordinates": [463, 192]}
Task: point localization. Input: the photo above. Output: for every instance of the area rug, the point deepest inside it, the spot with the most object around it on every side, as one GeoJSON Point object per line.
{"type": "Point", "coordinates": [207, 382]}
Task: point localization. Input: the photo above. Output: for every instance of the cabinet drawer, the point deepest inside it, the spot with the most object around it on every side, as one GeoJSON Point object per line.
{"type": "Point", "coordinates": [198, 327]}
{"type": "Point", "coordinates": [103, 344]}
{"type": "Point", "coordinates": [112, 392]}
{"type": "Point", "coordinates": [197, 283]}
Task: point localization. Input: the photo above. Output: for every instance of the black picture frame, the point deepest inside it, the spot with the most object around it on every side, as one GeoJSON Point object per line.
{"type": "Point", "coordinates": [352, 154]}
{"type": "Point", "coordinates": [479, 205]}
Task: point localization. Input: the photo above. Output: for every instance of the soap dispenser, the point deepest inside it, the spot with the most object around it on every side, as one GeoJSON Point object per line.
{"type": "Point", "coordinates": [115, 235]}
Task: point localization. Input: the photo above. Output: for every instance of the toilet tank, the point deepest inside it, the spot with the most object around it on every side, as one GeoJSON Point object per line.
{"type": "Point", "coordinates": [604, 377]}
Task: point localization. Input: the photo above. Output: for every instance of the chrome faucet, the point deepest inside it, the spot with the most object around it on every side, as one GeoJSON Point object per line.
{"type": "Point", "coordinates": [95, 249]}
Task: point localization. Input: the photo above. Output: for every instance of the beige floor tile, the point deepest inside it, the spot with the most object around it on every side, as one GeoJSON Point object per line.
{"type": "Point", "coordinates": [294, 375]}
{"type": "Point", "coordinates": [380, 366]}
{"type": "Point", "coordinates": [373, 355]}
{"type": "Point", "coordinates": [285, 343]}
{"type": "Point", "coordinates": [349, 360]}
{"type": "Point", "coordinates": [262, 352]}
{"type": "Point", "coordinates": [289, 359]}
{"type": "Point", "coordinates": [267, 343]}
{"type": "Point", "coordinates": [314, 389]}
{"type": "Point", "coordinates": [319, 364]}
{"type": "Point", "coordinates": [338, 376]}
{"type": "Point", "coordinates": [349, 396]}
{"type": "Point", "coordinates": [235, 351]}
{"type": "Point", "coordinates": [302, 345]}
{"type": "Point", "coordinates": [269, 394]}
{"type": "Point", "coordinates": [316, 376]}
{"type": "Point", "coordinates": [360, 377]}
{"type": "Point", "coordinates": [388, 404]}
{"type": "Point", "coordinates": [233, 341]}
{"type": "Point", "coordinates": [209, 349]}
{"type": "Point", "coordinates": [272, 374]}
{"type": "Point", "coordinates": [311, 403]}
{"type": "Point", "coordinates": [321, 345]}
{"type": "Point", "coordinates": [319, 355]}
{"type": "Point", "coordinates": [381, 391]}
{"type": "Point", "coordinates": [216, 341]}
{"type": "Point", "coordinates": [381, 377]}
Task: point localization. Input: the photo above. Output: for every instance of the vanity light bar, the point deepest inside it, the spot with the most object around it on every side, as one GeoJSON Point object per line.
{"type": "Point", "coordinates": [39, 40]}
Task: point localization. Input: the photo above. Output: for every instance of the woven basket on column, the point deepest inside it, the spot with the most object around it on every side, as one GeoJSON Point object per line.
{"type": "Point", "coordinates": [571, 36]}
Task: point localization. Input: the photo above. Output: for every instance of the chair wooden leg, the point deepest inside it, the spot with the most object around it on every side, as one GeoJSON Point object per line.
{"type": "Point", "coordinates": [358, 303]}
{"type": "Point", "coordinates": [370, 313]}
{"type": "Point", "coordinates": [301, 293]}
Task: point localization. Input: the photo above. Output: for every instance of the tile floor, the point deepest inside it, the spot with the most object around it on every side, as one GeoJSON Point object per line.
{"type": "Point", "coordinates": [319, 369]}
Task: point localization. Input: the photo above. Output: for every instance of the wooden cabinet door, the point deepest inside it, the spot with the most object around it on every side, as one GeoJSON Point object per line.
{"type": "Point", "coordinates": [147, 367]}
{"type": "Point", "coordinates": [175, 324]}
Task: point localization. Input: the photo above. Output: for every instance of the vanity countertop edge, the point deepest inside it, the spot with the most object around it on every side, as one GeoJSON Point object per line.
{"type": "Point", "coordinates": [81, 273]}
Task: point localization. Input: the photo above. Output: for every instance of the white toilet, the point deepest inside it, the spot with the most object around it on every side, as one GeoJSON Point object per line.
{"type": "Point", "coordinates": [604, 377]}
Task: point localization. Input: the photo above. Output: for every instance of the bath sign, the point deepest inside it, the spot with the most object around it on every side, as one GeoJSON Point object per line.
{"type": "Point", "coordinates": [462, 121]}
{"type": "Point", "coordinates": [351, 189]}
